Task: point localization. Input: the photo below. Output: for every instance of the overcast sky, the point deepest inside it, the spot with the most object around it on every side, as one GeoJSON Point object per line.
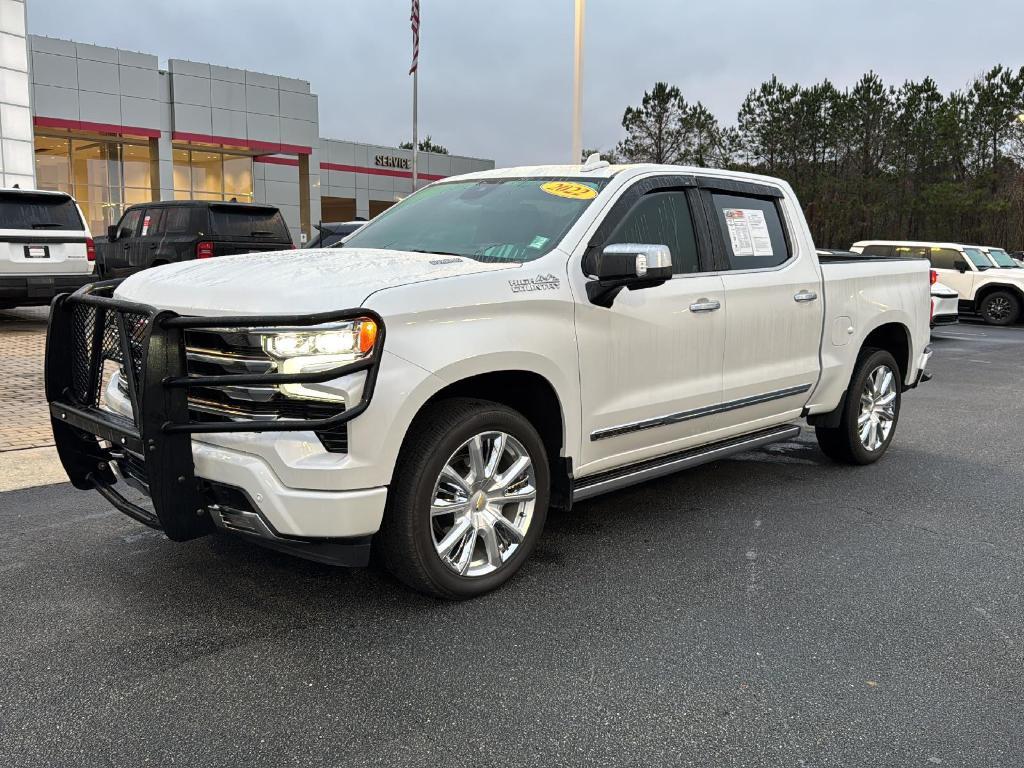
{"type": "Point", "coordinates": [496, 75]}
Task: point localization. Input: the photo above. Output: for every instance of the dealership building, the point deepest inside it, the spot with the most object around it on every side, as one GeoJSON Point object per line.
{"type": "Point", "coordinates": [113, 128]}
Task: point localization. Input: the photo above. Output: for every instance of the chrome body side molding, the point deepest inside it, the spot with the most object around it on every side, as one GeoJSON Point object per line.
{"type": "Point", "coordinates": [697, 413]}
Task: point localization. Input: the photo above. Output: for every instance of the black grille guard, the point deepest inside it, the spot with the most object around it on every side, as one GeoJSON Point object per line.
{"type": "Point", "coordinates": [90, 327]}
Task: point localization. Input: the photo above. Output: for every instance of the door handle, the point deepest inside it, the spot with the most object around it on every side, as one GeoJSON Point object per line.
{"type": "Point", "coordinates": [705, 305]}
{"type": "Point", "coordinates": [805, 296]}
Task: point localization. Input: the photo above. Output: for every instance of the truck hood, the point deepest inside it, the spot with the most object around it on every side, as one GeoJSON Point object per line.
{"type": "Point", "coordinates": [289, 282]}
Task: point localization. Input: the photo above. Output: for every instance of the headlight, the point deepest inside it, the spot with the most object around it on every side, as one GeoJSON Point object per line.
{"type": "Point", "coordinates": [318, 349]}
{"type": "Point", "coordinates": [355, 339]}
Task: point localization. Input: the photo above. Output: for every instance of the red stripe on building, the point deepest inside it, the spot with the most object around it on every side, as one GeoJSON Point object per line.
{"type": "Point", "coordinates": [276, 160]}
{"type": "Point", "coordinates": [84, 125]}
{"type": "Point", "coordinates": [257, 146]}
{"type": "Point", "coordinates": [378, 171]}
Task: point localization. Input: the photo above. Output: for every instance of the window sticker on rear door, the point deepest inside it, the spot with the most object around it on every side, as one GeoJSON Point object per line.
{"type": "Point", "coordinates": [748, 232]}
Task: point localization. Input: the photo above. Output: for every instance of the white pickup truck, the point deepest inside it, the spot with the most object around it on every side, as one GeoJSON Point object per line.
{"type": "Point", "coordinates": [494, 345]}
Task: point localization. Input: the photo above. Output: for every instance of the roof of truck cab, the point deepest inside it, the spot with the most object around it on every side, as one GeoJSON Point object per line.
{"type": "Point", "coordinates": [609, 171]}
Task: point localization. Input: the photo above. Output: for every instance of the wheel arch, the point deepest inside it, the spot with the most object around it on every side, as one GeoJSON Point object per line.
{"type": "Point", "coordinates": [894, 338]}
{"type": "Point", "coordinates": [989, 288]}
{"type": "Point", "coordinates": [532, 394]}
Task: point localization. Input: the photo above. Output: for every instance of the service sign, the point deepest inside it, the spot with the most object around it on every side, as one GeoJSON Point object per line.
{"type": "Point", "coordinates": [392, 161]}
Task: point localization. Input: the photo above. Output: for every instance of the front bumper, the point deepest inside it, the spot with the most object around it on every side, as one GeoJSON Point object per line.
{"type": "Point", "coordinates": [37, 290]}
{"type": "Point", "coordinates": [194, 487]}
{"type": "Point", "coordinates": [288, 511]}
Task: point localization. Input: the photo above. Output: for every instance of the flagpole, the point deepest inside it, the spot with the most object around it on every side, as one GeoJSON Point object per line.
{"type": "Point", "coordinates": [414, 70]}
{"type": "Point", "coordinates": [577, 84]}
{"type": "Point", "coordinates": [415, 137]}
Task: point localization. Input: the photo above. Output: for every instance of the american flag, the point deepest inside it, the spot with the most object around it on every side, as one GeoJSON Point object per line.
{"type": "Point", "coordinates": [415, 18]}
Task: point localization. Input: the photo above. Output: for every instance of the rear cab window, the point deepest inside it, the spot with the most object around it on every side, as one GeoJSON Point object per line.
{"type": "Point", "coordinates": [24, 210]}
{"type": "Point", "coordinates": [751, 229]}
{"type": "Point", "coordinates": [236, 222]}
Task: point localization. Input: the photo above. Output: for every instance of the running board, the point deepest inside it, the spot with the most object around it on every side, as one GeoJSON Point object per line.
{"type": "Point", "coordinates": [623, 477]}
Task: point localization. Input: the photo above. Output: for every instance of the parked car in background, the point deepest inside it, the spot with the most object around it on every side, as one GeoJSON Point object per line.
{"type": "Point", "coordinates": [496, 343]}
{"type": "Point", "coordinates": [331, 233]}
{"type": "Point", "coordinates": [152, 234]}
{"type": "Point", "coordinates": [945, 303]}
{"type": "Point", "coordinates": [45, 247]}
{"type": "Point", "coordinates": [996, 295]}
{"type": "Point", "coordinates": [1000, 257]}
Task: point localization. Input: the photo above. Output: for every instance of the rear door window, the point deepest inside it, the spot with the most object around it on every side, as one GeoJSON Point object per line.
{"type": "Point", "coordinates": [236, 222]}
{"type": "Point", "coordinates": [20, 210]}
{"type": "Point", "coordinates": [944, 258]}
{"type": "Point", "coordinates": [179, 220]}
{"type": "Point", "coordinates": [153, 222]}
{"type": "Point", "coordinates": [751, 230]}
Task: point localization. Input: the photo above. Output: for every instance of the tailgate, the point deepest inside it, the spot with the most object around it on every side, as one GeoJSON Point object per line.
{"type": "Point", "coordinates": [31, 253]}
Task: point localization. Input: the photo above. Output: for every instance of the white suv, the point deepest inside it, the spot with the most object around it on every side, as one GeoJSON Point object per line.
{"type": "Point", "coordinates": [997, 295]}
{"type": "Point", "coordinates": [45, 247]}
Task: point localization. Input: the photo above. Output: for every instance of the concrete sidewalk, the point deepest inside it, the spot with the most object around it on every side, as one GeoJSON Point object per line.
{"type": "Point", "coordinates": [30, 467]}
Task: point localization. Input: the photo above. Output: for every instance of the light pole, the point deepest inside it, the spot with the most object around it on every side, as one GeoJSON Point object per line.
{"type": "Point", "coordinates": [577, 84]}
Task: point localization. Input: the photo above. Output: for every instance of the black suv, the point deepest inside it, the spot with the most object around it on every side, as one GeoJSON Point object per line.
{"type": "Point", "coordinates": [162, 233]}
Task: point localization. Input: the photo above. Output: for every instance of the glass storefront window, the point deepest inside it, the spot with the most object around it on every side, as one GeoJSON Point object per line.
{"type": "Point", "coordinates": [107, 176]}
{"type": "Point", "coordinates": [182, 173]}
{"type": "Point", "coordinates": [237, 177]}
{"type": "Point", "coordinates": [135, 160]}
{"type": "Point", "coordinates": [205, 175]}
{"type": "Point", "coordinates": [208, 173]}
{"type": "Point", "coordinates": [53, 164]}
{"type": "Point", "coordinates": [95, 162]}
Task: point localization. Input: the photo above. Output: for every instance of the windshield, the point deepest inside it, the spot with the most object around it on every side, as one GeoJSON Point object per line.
{"type": "Point", "coordinates": [978, 258]}
{"type": "Point", "coordinates": [1002, 258]}
{"type": "Point", "coordinates": [496, 220]}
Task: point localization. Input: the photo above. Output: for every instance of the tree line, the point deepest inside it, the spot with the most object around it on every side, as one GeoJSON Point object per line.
{"type": "Point", "coordinates": [868, 161]}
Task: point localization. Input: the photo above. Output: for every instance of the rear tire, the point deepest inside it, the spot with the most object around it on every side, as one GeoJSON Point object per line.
{"type": "Point", "coordinates": [498, 511]}
{"type": "Point", "coordinates": [1000, 308]}
{"type": "Point", "coordinates": [870, 412]}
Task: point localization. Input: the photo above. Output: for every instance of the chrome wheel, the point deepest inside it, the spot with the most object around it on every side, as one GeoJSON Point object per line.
{"type": "Point", "coordinates": [877, 408]}
{"type": "Point", "coordinates": [483, 504]}
{"type": "Point", "coordinates": [998, 308]}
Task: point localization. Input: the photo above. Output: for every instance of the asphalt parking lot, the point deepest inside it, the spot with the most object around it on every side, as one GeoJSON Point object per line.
{"type": "Point", "coordinates": [773, 609]}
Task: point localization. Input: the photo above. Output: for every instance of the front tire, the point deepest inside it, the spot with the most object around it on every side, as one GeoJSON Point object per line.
{"type": "Point", "coordinates": [1000, 308]}
{"type": "Point", "coordinates": [468, 499]}
{"type": "Point", "coordinates": [870, 412]}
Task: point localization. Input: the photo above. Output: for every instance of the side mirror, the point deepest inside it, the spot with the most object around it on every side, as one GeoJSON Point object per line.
{"type": "Point", "coordinates": [112, 232]}
{"type": "Point", "coordinates": [634, 262]}
{"type": "Point", "coordinates": [960, 265]}
{"type": "Point", "coordinates": [627, 265]}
